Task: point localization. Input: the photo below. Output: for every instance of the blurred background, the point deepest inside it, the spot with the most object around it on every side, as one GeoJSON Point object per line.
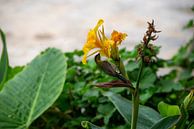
{"type": "Point", "coordinates": [34, 25]}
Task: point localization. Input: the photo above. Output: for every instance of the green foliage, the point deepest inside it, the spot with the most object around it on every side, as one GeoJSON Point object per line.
{"type": "Point", "coordinates": [26, 96]}
{"type": "Point", "coordinates": [166, 123]}
{"type": "Point", "coordinates": [147, 79]}
{"type": "Point", "coordinates": [192, 127]}
{"type": "Point", "coordinates": [13, 71]}
{"type": "Point", "coordinates": [82, 101]}
{"type": "Point", "coordinates": [4, 62]}
{"type": "Point", "coordinates": [168, 110]}
{"type": "Point", "coordinates": [89, 125]}
{"type": "Point", "coordinates": [147, 116]}
{"type": "Point", "coordinates": [190, 24]}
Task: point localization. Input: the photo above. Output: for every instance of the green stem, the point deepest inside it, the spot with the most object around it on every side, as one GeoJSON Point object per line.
{"type": "Point", "coordinates": [135, 94]}
{"type": "Point", "coordinates": [139, 75]}
{"type": "Point", "coordinates": [135, 100]}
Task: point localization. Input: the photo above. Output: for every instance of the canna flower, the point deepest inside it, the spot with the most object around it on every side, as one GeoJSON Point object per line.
{"type": "Point", "coordinates": [118, 37]}
{"type": "Point", "coordinates": [96, 39]}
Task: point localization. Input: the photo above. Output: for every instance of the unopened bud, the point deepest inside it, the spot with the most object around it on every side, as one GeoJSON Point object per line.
{"type": "Point", "coordinates": [115, 84]}
{"type": "Point", "coordinates": [189, 99]}
{"type": "Point", "coordinates": [146, 59]}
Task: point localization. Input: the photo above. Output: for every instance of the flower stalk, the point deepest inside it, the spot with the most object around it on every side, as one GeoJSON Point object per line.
{"type": "Point", "coordinates": [108, 47]}
{"type": "Point", "coordinates": [135, 99]}
{"type": "Point", "coordinates": [146, 52]}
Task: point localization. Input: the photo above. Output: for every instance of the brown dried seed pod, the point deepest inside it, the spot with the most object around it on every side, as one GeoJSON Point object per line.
{"type": "Point", "coordinates": [146, 59]}
{"type": "Point", "coordinates": [145, 38]}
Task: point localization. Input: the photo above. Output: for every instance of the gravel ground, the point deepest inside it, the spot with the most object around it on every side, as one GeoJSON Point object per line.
{"type": "Point", "coordinates": [34, 25]}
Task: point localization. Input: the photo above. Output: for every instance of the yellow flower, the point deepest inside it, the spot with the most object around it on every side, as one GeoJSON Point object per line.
{"type": "Point", "coordinates": [92, 41]}
{"type": "Point", "coordinates": [118, 37]}
{"type": "Point", "coordinates": [97, 39]}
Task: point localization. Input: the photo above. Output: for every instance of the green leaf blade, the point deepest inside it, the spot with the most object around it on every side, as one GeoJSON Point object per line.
{"type": "Point", "coordinates": [4, 62]}
{"type": "Point", "coordinates": [32, 91]}
{"type": "Point", "coordinates": [166, 123]}
{"type": "Point", "coordinates": [146, 118]}
{"type": "Point", "coordinates": [168, 110]}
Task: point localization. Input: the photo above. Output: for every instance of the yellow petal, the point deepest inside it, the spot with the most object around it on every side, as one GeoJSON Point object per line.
{"type": "Point", "coordinates": [84, 59]}
{"type": "Point", "coordinates": [100, 22]}
{"type": "Point", "coordinates": [85, 56]}
{"type": "Point", "coordinates": [92, 41]}
{"type": "Point", "coordinates": [105, 51]}
{"type": "Point", "coordinates": [118, 37]}
{"type": "Point", "coordinates": [91, 35]}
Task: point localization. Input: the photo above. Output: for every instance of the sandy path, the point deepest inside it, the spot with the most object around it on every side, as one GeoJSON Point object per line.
{"type": "Point", "coordinates": [33, 25]}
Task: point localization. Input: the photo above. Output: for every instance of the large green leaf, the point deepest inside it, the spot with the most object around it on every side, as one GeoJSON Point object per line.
{"type": "Point", "coordinates": [4, 63]}
{"type": "Point", "coordinates": [166, 123]}
{"type": "Point", "coordinates": [28, 94]}
{"type": "Point", "coordinates": [168, 110]}
{"type": "Point", "coordinates": [12, 71]}
{"type": "Point", "coordinates": [147, 116]}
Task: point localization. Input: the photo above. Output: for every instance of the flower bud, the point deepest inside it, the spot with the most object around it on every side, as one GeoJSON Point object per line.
{"type": "Point", "coordinates": [189, 99]}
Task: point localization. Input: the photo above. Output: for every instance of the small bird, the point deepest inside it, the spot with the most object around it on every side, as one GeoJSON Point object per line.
{"type": "Point", "coordinates": [108, 68]}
